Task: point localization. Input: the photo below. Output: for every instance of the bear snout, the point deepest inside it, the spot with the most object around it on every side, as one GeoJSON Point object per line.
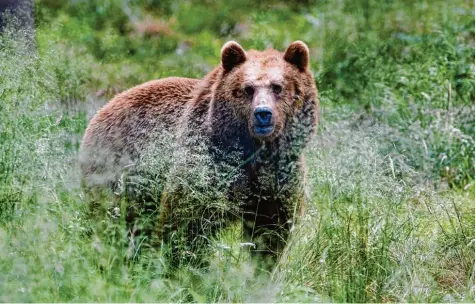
{"type": "Point", "coordinates": [263, 116]}
{"type": "Point", "coordinates": [263, 121]}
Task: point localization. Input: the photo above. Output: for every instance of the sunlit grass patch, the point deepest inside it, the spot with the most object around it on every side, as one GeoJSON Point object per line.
{"type": "Point", "coordinates": [375, 233]}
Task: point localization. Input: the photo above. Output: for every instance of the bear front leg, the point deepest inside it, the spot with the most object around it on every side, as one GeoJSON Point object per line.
{"type": "Point", "coordinates": [267, 227]}
{"type": "Point", "coordinates": [268, 221]}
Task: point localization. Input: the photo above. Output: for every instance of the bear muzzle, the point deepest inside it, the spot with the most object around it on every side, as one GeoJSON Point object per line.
{"type": "Point", "coordinates": [263, 121]}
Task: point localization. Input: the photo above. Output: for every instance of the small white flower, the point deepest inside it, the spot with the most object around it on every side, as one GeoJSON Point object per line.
{"type": "Point", "coordinates": [248, 244]}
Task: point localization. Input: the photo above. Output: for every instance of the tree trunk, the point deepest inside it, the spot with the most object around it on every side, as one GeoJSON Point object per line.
{"type": "Point", "coordinates": [19, 15]}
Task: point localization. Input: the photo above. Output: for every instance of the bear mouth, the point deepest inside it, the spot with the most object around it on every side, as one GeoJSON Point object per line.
{"type": "Point", "coordinates": [263, 130]}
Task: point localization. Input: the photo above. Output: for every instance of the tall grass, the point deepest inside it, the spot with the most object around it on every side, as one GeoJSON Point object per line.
{"type": "Point", "coordinates": [390, 172]}
{"type": "Point", "coordinates": [378, 234]}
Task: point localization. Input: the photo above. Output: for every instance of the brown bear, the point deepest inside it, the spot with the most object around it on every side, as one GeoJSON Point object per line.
{"type": "Point", "coordinates": [260, 107]}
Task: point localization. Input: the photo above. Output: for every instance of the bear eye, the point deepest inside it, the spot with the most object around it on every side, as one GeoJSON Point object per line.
{"type": "Point", "coordinates": [249, 90]}
{"type": "Point", "coordinates": [277, 88]}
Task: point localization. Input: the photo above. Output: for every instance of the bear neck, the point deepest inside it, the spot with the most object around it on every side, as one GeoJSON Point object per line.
{"type": "Point", "coordinates": [229, 133]}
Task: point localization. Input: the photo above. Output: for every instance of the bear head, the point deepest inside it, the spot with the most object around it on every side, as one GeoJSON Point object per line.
{"type": "Point", "coordinates": [266, 89]}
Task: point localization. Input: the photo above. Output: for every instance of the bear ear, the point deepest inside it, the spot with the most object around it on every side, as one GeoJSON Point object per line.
{"type": "Point", "coordinates": [297, 54]}
{"type": "Point", "coordinates": [232, 55]}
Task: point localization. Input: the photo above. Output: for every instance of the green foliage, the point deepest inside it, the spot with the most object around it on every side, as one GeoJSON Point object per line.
{"type": "Point", "coordinates": [391, 172]}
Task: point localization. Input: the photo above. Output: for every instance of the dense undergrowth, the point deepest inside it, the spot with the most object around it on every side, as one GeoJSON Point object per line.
{"type": "Point", "coordinates": [391, 170]}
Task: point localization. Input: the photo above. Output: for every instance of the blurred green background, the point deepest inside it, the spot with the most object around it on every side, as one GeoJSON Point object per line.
{"type": "Point", "coordinates": [362, 52]}
{"type": "Point", "coordinates": [391, 171]}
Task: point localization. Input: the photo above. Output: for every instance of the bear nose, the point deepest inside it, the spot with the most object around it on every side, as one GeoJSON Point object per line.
{"type": "Point", "coordinates": [263, 115]}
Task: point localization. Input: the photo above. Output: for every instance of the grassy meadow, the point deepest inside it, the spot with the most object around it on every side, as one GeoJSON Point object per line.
{"type": "Point", "coordinates": [390, 171]}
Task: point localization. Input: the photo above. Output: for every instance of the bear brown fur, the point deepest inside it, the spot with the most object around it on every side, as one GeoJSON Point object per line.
{"type": "Point", "coordinates": [261, 106]}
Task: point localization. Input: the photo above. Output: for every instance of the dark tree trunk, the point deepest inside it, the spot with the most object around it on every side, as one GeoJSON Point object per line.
{"type": "Point", "coordinates": [20, 13]}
